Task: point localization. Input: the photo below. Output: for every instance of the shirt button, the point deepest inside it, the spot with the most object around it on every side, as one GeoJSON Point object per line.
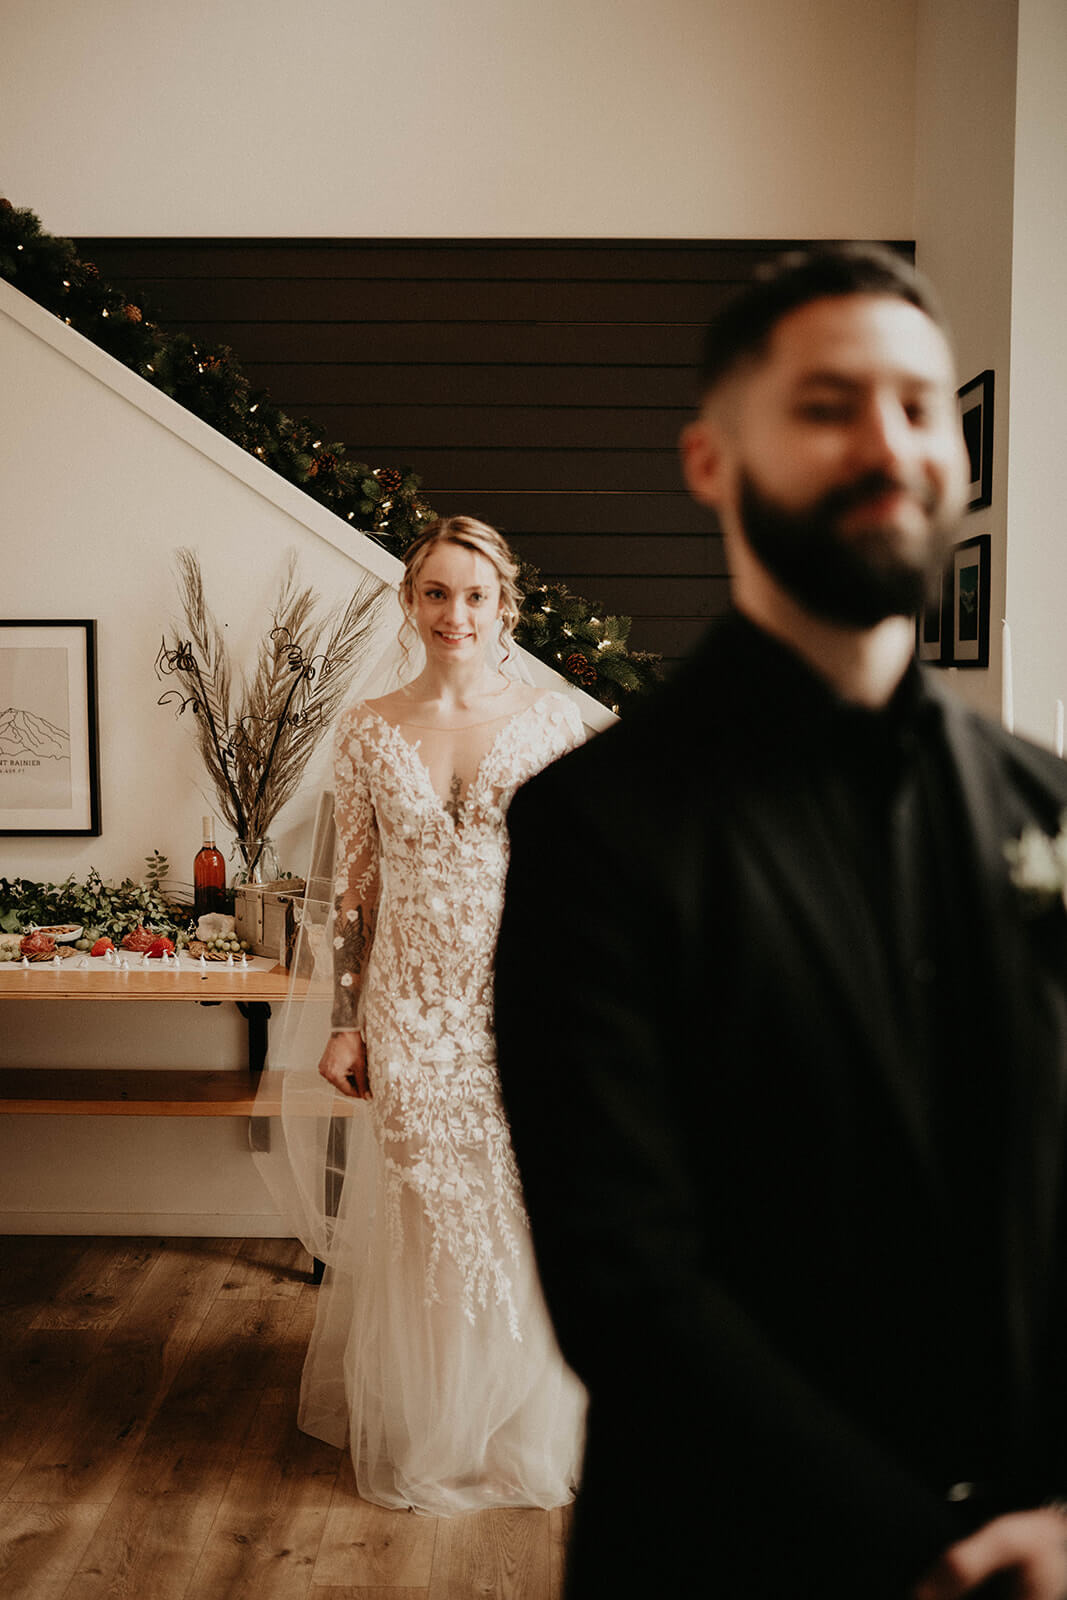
{"type": "Point", "coordinates": [924, 970]}
{"type": "Point", "coordinates": [960, 1491]}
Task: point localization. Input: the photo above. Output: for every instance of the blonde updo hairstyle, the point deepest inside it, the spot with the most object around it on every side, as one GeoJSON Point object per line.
{"type": "Point", "coordinates": [469, 534]}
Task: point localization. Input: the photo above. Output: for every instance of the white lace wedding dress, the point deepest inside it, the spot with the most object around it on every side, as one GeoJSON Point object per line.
{"type": "Point", "coordinates": [432, 1351]}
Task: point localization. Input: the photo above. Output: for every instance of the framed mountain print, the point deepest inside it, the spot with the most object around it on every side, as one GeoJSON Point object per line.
{"type": "Point", "coordinates": [49, 774]}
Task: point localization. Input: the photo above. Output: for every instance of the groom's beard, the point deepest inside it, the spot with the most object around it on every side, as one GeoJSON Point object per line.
{"type": "Point", "coordinates": [855, 578]}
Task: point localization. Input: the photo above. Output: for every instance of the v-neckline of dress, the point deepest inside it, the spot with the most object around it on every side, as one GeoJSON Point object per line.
{"type": "Point", "coordinates": [412, 749]}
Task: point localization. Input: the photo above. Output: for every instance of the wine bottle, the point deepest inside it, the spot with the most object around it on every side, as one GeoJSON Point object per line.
{"type": "Point", "coordinates": [209, 874]}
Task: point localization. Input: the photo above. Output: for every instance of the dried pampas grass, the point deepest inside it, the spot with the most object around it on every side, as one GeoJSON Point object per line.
{"type": "Point", "coordinates": [256, 750]}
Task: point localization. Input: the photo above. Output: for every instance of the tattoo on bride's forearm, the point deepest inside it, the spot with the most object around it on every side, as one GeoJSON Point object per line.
{"type": "Point", "coordinates": [350, 950]}
{"type": "Point", "coordinates": [354, 939]}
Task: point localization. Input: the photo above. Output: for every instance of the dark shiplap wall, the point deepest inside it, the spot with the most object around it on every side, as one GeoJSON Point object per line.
{"type": "Point", "coordinates": [539, 385]}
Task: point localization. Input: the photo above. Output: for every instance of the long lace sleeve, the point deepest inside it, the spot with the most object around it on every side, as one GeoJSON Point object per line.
{"type": "Point", "coordinates": [561, 728]}
{"type": "Point", "coordinates": [574, 732]}
{"type": "Point", "coordinates": [357, 881]}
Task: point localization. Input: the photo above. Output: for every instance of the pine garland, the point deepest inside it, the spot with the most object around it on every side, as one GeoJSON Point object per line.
{"type": "Point", "coordinates": [573, 636]}
{"type": "Point", "coordinates": [561, 628]}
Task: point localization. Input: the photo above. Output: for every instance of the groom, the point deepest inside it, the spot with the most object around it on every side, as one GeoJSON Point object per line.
{"type": "Point", "coordinates": [783, 1046]}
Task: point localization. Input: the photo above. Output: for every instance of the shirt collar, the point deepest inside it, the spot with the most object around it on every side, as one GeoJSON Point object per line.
{"type": "Point", "coordinates": [792, 695]}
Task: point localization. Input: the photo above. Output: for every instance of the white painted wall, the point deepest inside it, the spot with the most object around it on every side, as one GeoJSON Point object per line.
{"type": "Point", "coordinates": [964, 176]}
{"type": "Point", "coordinates": [1037, 549]}
{"type": "Point", "coordinates": [553, 118]}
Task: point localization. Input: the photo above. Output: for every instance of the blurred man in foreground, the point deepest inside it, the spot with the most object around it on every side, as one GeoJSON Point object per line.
{"type": "Point", "coordinates": [785, 1070]}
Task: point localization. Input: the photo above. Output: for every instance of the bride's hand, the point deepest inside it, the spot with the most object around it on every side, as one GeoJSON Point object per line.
{"type": "Point", "coordinates": [344, 1064]}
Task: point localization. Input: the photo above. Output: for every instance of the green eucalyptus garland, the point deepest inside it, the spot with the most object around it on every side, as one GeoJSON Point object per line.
{"type": "Point", "coordinates": [99, 907]}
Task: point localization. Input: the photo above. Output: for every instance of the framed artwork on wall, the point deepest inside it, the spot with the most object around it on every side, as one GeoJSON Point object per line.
{"type": "Point", "coordinates": [930, 631]}
{"type": "Point", "coordinates": [975, 401]}
{"type": "Point", "coordinates": [49, 769]}
{"type": "Point", "coordinates": [969, 578]}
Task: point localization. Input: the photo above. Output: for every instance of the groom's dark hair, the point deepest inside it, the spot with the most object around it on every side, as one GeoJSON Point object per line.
{"type": "Point", "coordinates": [740, 331]}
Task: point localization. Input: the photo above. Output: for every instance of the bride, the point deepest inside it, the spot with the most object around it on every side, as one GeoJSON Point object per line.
{"type": "Point", "coordinates": [432, 1351]}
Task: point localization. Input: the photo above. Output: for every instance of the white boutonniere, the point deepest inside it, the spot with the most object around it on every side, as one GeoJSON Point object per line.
{"type": "Point", "coordinates": [1038, 864]}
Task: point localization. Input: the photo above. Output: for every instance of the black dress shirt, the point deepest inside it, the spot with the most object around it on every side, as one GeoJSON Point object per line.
{"type": "Point", "coordinates": [880, 793]}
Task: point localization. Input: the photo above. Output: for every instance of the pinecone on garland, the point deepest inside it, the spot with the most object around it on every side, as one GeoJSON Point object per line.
{"type": "Point", "coordinates": [5, 204]}
{"type": "Point", "coordinates": [390, 478]}
{"type": "Point", "coordinates": [325, 463]}
{"type": "Point", "coordinates": [579, 667]}
{"type": "Point", "coordinates": [133, 313]}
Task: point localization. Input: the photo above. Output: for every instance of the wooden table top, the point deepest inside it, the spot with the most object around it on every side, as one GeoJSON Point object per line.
{"type": "Point", "coordinates": [43, 981]}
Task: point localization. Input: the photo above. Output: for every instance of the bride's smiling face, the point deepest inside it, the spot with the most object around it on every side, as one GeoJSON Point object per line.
{"type": "Point", "coordinates": [457, 602]}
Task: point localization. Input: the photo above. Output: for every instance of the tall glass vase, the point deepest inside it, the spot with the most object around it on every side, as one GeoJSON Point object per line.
{"type": "Point", "coordinates": [258, 861]}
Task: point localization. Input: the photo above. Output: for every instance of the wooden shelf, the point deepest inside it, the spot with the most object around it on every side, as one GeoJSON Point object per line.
{"type": "Point", "coordinates": [133, 1092]}
{"type": "Point", "coordinates": [187, 982]}
{"type": "Point", "coordinates": [143, 1092]}
{"type": "Point", "coordinates": [111, 1092]}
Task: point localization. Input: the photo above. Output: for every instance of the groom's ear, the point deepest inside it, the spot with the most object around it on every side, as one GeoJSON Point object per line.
{"type": "Point", "coordinates": [702, 446]}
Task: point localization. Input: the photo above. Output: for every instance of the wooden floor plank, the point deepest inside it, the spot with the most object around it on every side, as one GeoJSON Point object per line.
{"type": "Point", "coordinates": [372, 1547]}
{"type": "Point", "coordinates": [320, 1591]}
{"type": "Point", "coordinates": [268, 1527]}
{"type": "Point", "coordinates": [107, 1274]}
{"type": "Point", "coordinates": [263, 1268]}
{"type": "Point", "coordinates": [89, 1447]}
{"type": "Point", "coordinates": [151, 1536]}
{"type": "Point", "coordinates": [175, 1295]}
{"type": "Point", "coordinates": [559, 1522]}
{"type": "Point", "coordinates": [501, 1555]}
{"type": "Point", "coordinates": [191, 1449]}
{"type": "Point", "coordinates": [40, 1547]}
{"type": "Point", "coordinates": [149, 1550]}
{"type": "Point", "coordinates": [232, 1347]}
{"type": "Point", "coordinates": [284, 1362]}
{"type": "Point", "coordinates": [42, 1372]}
{"type": "Point", "coordinates": [32, 1270]}
{"type": "Point", "coordinates": [149, 1448]}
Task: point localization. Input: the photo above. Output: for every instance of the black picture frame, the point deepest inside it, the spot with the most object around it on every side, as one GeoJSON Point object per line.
{"type": "Point", "coordinates": [969, 579]}
{"type": "Point", "coordinates": [931, 631]}
{"type": "Point", "coordinates": [49, 756]}
{"type": "Point", "coordinates": [975, 402]}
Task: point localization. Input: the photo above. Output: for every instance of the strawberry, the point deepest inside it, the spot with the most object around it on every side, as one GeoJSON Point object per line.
{"type": "Point", "coordinates": [160, 947]}
{"type": "Point", "coordinates": [101, 947]}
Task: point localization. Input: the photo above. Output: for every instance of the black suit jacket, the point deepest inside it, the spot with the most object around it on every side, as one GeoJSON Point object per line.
{"type": "Point", "coordinates": [745, 1224]}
